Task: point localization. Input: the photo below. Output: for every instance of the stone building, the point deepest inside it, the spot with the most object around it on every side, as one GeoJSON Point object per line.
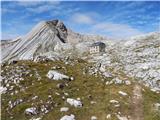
{"type": "Point", "coordinates": [97, 47]}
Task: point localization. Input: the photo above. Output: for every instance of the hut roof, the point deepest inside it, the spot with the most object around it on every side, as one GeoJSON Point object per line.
{"type": "Point", "coordinates": [98, 44]}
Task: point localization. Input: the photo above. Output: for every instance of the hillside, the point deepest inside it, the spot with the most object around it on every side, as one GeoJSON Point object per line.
{"type": "Point", "coordinates": [32, 88]}
{"type": "Point", "coordinates": [49, 74]}
{"type": "Point", "coordinates": [138, 57]}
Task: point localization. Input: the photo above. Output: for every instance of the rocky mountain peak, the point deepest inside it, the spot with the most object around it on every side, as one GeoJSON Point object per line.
{"type": "Point", "coordinates": [60, 27]}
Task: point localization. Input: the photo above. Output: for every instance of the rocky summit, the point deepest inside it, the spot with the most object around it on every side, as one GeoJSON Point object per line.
{"type": "Point", "coordinates": [53, 73]}
{"type": "Point", "coordinates": [47, 38]}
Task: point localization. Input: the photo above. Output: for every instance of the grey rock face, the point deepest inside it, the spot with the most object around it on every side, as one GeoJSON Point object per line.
{"type": "Point", "coordinates": [41, 39]}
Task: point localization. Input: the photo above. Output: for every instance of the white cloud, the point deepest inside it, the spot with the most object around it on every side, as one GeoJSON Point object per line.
{"type": "Point", "coordinates": [82, 18]}
{"type": "Point", "coordinates": [31, 3]}
{"type": "Point", "coordinates": [40, 9]}
{"type": "Point", "coordinates": [41, 6]}
{"type": "Point", "coordinates": [28, 3]}
{"type": "Point", "coordinates": [104, 28]}
{"type": "Point", "coordinates": [116, 30]}
{"type": "Point", "coordinates": [7, 10]}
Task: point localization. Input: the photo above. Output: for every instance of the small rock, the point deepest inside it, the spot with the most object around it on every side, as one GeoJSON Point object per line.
{"type": "Point", "coordinates": [3, 90]}
{"type": "Point", "coordinates": [66, 94]}
{"type": "Point", "coordinates": [89, 96]}
{"type": "Point", "coordinates": [93, 118]}
{"type": "Point", "coordinates": [52, 74]}
{"type": "Point", "coordinates": [113, 101]}
{"type": "Point", "coordinates": [93, 102]}
{"type": "Point", "coordinates": [31, 111]}
{"type": "Point", "coordinates": [157, 106]}
{"type": "Point", "coordinates": [75, 103]}
{"type": "Point", "coordinates": [35, 97]}
{"type": "Point", "coordinates": [35, 118]}
{"type": "Point", "coordinates": [68, 117]}
{"type": "Point", "coordinates": [122, 118]}
{"type": "Point", "coordinates": [64, 109]}
{"type": "Point", "coordinates": [79, 99]}
{"type": "Point", "coordinates": [71, 78]}
{"type": "Point", "coordinates": [57, 93]}
{"type": "Point", "coordinates": [122, 93]}
{"type": "Point", "coordinates": [108, 116]}
{"type": "Point", "coordinates": [127, 82]}
{"type": "Point", "coordinates": [60, 85]}
{"type": "Point", "coordinates": [49, 96]}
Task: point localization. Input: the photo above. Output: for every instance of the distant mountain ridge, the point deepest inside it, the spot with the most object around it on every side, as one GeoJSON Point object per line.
{"type": "Point", "coordinates": [46, 36]}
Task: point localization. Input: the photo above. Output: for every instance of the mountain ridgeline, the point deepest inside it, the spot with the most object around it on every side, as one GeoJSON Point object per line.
{"type": "Point", "coordinates": [46, 37]}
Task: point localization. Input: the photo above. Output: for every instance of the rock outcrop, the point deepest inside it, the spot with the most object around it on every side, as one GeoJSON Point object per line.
{"type": "Point", "coordinates": [43, 38]}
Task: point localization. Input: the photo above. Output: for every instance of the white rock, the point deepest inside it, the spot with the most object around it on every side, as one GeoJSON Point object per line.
{"type": "Point", "coordinates": [7, 85]}
{"type": "Point", "coordinates": [16, 91]}
{"type": "Point", "coordinates": [35, 118]}
{"type": "Point", "coordinates": [113, 101]}
{"type": "Point", "coordinates": [66, 94]}
{"type": "Point", "coordinates": [3, 90]}
{"type": "Point", "coordinates": [107, 83]}
{"type": "Point", "coordinates": [52, 74]}
{"type": "Point", "coordinates": [107, 74]}
{"type": "Point", "coordinates": [117, 81]}
{"type": "Point", "coordinates": [108, 116]}
{"type": "Point", "coordinates": [157, 106]}
{"type": "Point", "coordinates": [64, 109]}
{"type": "Point", "coordinates": [93, 118]}
{"type": "Point", "coordinates": [122, 118]}
{"type": "Point", "coordinates": [57, 93]}
{"type": "Point", "coordinates": [75, 103]}
{"type": "Point", "coordinates": [155, 90]}
{"type": "Point", "coordinates": [35, 97]}
{"type": "Point", "coordinates": [68, 117]}
{"type": "Point", "coordinates": [49, 96]}
{"type": "Point", "coordinates": [93, 102]}
{"type": "Point", "coordinates": [122, 93]}
{"type": "Point", "coordinates": [79, 99]}
{"type": "Point", "coordinates": [117, 105]}
{"type": "Point", "coordinates": [71, 78]}
{"type": "Point", "coordinates": [31, 111]}
{"type": "Point", "coordinates": [127, 82]}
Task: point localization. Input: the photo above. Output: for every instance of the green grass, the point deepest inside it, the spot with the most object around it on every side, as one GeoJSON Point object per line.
{"type": "Point", "coordinates": [150, 98]}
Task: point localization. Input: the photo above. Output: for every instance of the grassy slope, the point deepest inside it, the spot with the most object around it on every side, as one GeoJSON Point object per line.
{"type": "Point", "coordinates": [149, 99]}
{"type": "Point", "coordinates": [81, 87]}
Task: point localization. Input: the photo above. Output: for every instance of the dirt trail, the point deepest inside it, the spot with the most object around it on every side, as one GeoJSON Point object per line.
{"type": "Point", "coordinates": [137, 103]}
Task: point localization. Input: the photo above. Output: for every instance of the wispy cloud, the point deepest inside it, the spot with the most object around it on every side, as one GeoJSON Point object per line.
{"type": "Point", "coordinates": [29, 3]}
{"type": "Point", "coordinates": [116, 30]}
{"type": "Point", "coordinates": [6, 10]}
{"type": "Point", "coordinates": [82, 18]}
{"type": "Point", "coordinates": [40, 9]}
{"type": "Point", "coordinates": [46, 7]}
{"type": "Point", "coordinates": [104, 27]}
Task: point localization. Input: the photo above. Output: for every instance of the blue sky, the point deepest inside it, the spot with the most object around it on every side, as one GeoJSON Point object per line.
{"type": "Point", "coordinates": [113, 19]}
